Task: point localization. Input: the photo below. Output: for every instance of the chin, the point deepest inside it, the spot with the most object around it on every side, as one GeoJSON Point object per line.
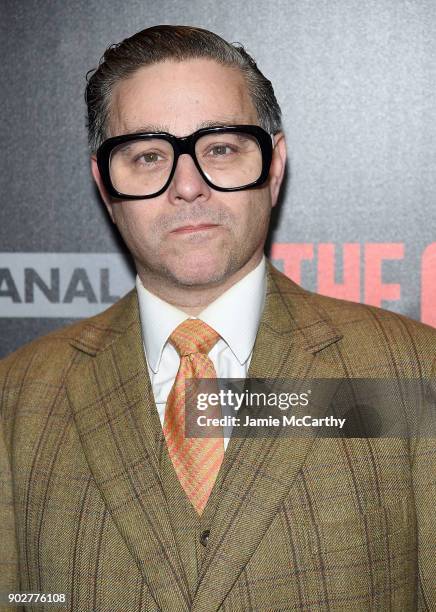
{"type": "Point", "coordinates": [199, 271]}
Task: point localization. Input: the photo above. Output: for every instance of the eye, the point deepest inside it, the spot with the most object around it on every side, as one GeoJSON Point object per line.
{"type": "Point", "coordinates": [150, 157]}
{"type": "Point", "coordinates": [220, 150]}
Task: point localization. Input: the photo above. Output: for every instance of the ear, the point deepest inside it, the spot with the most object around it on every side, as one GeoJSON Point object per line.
{"type": "Point", "coordinates": [278, 163]}
{"type": "Point", "coordinates": [99, 182]}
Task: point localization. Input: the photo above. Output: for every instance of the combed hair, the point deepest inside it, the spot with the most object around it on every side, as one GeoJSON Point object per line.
{"type": "Point", "coordinates": [177, 43]}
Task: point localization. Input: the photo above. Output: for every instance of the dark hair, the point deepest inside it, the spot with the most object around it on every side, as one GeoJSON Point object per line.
{"type": "Point", "coordinates": [177, 43]}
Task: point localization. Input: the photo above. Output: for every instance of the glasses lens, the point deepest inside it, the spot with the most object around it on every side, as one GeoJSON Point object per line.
{"type": "Point", "coordinates": [141, 167]}
{"type": "Point", "coordinates": [229, 159]}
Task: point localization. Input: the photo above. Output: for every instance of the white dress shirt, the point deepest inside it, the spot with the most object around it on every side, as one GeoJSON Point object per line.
{"type": "Point", "coordinates": [235, 316]}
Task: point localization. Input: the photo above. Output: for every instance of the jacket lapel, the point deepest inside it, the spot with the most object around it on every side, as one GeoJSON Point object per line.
{"type": "Point", "coordinates": [117, 421]}
{"type": "Point", "coordinates": [258, 473]}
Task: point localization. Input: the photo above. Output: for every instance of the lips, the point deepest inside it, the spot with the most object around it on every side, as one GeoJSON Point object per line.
{"type": "Point", "coordinates": [193, 228]}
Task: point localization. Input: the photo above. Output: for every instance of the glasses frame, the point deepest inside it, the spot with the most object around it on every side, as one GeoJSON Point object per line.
{"type": "Point", "coordinates": [181, 146]}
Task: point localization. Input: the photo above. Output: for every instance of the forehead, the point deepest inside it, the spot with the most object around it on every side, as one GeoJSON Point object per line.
{"type": "Point", "coordinates": [180, 97]}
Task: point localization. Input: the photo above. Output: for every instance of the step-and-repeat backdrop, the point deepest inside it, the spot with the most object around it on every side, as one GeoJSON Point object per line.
{"type": "Point", "coordinates": [356, 82]}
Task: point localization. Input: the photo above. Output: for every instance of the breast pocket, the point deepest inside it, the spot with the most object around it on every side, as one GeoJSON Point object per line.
{"type": "Point", "coordinates": [368, 561]}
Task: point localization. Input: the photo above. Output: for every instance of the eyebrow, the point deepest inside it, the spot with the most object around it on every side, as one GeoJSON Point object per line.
{"type": "Point", "coordinates": [155, 127]}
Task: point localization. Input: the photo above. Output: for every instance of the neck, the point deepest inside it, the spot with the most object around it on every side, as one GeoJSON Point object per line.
{"type": "Point", "coordinates": [192, 299]}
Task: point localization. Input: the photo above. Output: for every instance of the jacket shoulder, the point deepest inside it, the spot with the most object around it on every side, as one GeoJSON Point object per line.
{"type": "Point", "coordinates": [50, 355]}
{"type": "Point", "coordinates": [368, 334]}
{"type": "Point", "coordinates": [349, 315]}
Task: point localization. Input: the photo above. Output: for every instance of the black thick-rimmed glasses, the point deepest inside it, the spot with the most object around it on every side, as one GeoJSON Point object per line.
{"type": "Point", "coordinates": [229, 158]}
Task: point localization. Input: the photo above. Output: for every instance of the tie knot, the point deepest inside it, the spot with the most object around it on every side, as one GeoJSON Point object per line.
{"type": "Point", "coordinates": [193, 336]}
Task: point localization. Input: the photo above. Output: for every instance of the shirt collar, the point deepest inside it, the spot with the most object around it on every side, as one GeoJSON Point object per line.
{"type": "Point", "coordinates": [235, 316]}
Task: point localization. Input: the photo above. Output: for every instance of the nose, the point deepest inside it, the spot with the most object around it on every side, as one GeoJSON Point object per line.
{"type": "Point", "coordinates": [187, 184]}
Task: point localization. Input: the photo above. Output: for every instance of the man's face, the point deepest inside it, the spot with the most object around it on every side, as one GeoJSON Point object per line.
{"type": "Point", "coordinates": [191, 235]}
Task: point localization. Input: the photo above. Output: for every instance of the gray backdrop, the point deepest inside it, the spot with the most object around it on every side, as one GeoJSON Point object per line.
{"type": "Point", "coordinates": [356, 81]}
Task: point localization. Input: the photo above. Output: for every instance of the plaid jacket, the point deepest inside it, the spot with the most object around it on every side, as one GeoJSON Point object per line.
{"type": "Point", "coordinates": [295, 524]}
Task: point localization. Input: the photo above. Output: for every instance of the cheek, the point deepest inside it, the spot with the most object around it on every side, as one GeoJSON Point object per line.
{"type": "Point", "coordinates": [134, 222]}
{"type": "Point", "coordinates": [254, 215]}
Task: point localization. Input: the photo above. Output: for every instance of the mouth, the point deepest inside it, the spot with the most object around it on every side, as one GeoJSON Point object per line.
{"type": "Point", "coordinates": [187, 229]}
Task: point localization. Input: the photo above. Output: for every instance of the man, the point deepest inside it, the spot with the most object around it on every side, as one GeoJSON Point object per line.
{"type": "Point", "coordinates": [104, 498]}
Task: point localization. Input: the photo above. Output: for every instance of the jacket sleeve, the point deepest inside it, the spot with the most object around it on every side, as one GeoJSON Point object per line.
{"type": "Point", "coordinates": [9, 574]}
{"type": "Point", "coordinates": [424, 480]}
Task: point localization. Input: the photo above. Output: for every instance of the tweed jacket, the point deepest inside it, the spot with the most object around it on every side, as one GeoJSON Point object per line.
{"type": "Point", "coordinates": [295, 524]}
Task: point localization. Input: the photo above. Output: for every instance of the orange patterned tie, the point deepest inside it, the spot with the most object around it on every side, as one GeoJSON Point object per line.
{"type": "Point", "coordinates": [196, 460]}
